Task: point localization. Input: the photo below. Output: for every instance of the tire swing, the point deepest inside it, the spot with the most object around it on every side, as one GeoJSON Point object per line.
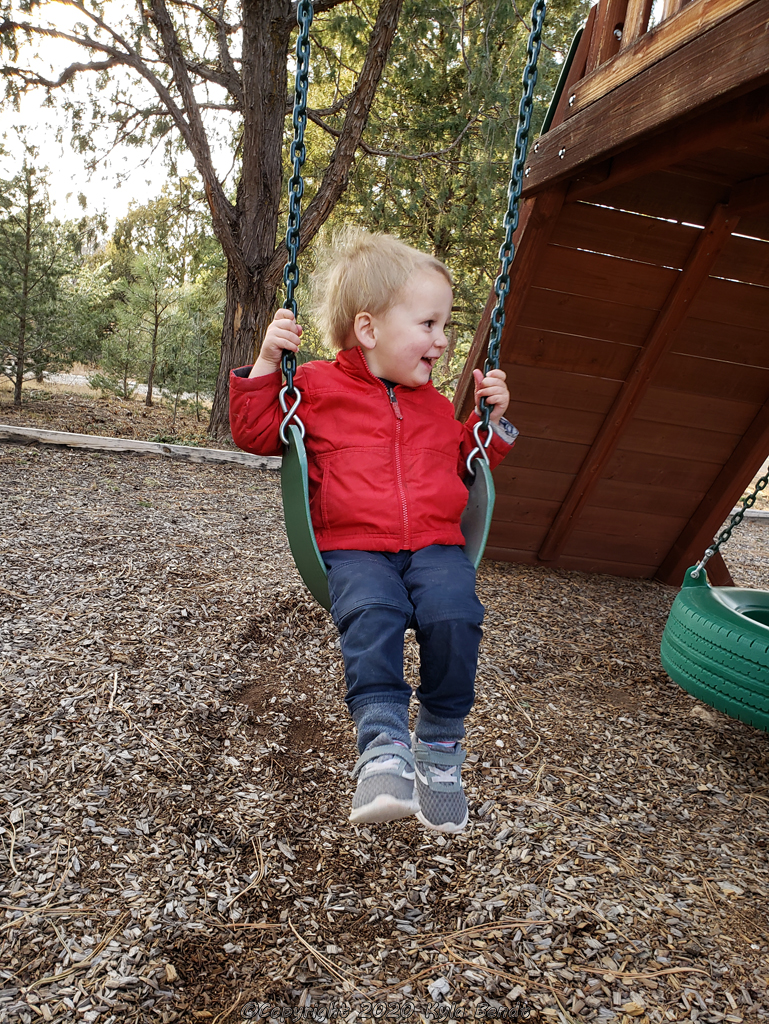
{"type": "Point", "coordinates": [476, 519]}
{"type": "Point", "coordinates": [716, 641]}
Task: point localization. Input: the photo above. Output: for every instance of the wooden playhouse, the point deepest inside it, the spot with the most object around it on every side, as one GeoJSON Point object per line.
{"type": "Point", "coordinates": [636, 340]}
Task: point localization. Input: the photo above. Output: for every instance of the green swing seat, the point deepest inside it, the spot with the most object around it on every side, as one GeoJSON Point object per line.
{"type": "Point", "coordinates": [716, 646]}
{"type": "Point", "coordinates": [476, 519]}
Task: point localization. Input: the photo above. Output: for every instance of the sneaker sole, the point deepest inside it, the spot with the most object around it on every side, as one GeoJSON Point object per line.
{"type": "Point", "coordinates": [446, 826]}
{"type": "Point", "coordinates": [382, 808]}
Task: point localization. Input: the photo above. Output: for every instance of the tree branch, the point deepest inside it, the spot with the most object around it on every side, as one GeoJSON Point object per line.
{"type": "Point", "coordinates": [30, 77]}
{"type": "Point", "coordinates": [326, 111]}
{"type": "Point", "coordinates": [313, 115]}
{"type": "Point", "coordinates": [235, 86]}
{"type": "Point", "coordinates": [222, 212]}
{"type": "Point", "coordinates": [335, 178]}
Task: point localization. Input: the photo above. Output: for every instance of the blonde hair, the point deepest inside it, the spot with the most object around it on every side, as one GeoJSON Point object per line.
{"type": "Point", "coordinates": [360, 271]}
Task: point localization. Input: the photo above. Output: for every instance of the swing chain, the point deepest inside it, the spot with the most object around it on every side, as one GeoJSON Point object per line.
{"type": "Point", "coordinates": [304, 14]}
{"type": "Point", "coordinates": [507, 249]}
{"type": "Point", "coordinates": [736, 519]}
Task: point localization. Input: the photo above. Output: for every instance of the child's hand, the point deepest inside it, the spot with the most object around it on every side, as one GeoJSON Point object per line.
{"type": "Point", "coordinates": [283, 334]}
{"type": "Point", "coordinates": [494, 389]}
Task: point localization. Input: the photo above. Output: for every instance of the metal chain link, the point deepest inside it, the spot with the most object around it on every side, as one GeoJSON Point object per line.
{"type": "Point", "coordinates": [507, 249]}
{"type": "Point", "coordinates": [304, 14]}
{"type": "Point", "coordinates": [735, 521]}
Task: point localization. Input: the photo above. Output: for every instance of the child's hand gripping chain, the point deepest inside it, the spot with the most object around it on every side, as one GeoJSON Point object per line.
{"type": "Point", "coordinates": [282, 335]}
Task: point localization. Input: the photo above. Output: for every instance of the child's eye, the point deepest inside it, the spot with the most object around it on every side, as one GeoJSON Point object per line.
{"type": "Point", "coordinates": [429, 323]}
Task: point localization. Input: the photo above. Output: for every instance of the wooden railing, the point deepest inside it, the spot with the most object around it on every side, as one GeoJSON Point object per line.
{"type": "Point", "coordinates": [618, 43]}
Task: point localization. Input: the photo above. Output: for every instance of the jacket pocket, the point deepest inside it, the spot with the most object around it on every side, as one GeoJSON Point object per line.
{"type": "Point", "coordinates": [358, 492]}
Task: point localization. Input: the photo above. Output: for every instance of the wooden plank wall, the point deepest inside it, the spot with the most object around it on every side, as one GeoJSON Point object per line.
{"type": "Point", "coordinates": [608, 261]}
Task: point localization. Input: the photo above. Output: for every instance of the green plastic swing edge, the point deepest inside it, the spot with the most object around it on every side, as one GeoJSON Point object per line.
{"type": "Point", "coordinates": [296, 512]}
{"type": "Point", "coordinates": [476, 519]}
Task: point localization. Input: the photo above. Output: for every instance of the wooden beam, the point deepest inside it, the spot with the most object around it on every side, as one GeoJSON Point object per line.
{"type": "Point", "coordinates": [186, 453]}
{"type": "Point", "coordinates": [704, 254]}
{"type": "Point", "coordinates": [730, 58]}
{"type": "Point", "coordinates": [743, 116]}
{"type": "Point", "coordinates": [667, 37]}
{"type": "Point", "coordinates": [538, 218]}
{"type": "Point", "coordinates": [724, 494]}
{"type": "Point", "coordinates": [751, 195]}
{"type": "Point", "coordinates": [718, 572]}
{"type": "Point", "coordinates": [636, 21]}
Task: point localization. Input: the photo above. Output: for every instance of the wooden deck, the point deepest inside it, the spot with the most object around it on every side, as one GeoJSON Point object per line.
{"type": "Point", "coordinates": [636, 340]}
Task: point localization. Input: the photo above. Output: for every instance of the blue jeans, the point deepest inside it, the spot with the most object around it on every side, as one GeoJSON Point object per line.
{"type": "Point", "coordinates": [376, 596]}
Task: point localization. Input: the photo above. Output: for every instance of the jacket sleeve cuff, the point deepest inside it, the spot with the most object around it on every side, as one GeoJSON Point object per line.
{"type": "Point", "coordinates": [242, 382]}
{"type": "Point", "coordinates": [505, 430]}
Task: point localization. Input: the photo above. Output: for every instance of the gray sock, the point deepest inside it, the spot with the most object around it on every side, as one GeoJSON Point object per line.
{"type": "Point", "coordinates": [434, 729]}
{"type": "Point", "coordinates": [389, 717]}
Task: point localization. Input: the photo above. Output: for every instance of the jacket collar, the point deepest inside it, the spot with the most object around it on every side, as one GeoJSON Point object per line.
{"type": "Point", "coordinates": [353, 362]}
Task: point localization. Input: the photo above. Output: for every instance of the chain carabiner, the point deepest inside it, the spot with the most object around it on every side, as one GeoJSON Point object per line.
{"type": "Point", "coordinates": [480, 446]}
{"type": "Point", "coordinates": [290, 414]}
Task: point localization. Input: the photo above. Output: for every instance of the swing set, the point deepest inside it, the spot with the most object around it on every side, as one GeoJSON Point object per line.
{"type": "Point", "coordinates": [579, 205]}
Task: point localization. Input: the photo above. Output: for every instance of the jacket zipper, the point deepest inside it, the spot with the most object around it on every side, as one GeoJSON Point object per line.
{"type": "Point", "coordinates": [398, 465]}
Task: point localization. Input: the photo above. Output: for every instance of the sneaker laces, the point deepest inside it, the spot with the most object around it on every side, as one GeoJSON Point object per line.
{"type": "Point", "coordinates": [443, 774]}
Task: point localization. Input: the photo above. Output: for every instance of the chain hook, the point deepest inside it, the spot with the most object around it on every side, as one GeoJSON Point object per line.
{"type": "Point", "coordinates": [290, 414]}
{"type": "Point", "coordinates": [480, 446]}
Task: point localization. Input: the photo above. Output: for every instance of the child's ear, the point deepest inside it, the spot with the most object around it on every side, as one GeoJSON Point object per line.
{"type": "Point", "coordinates": [363, 328]}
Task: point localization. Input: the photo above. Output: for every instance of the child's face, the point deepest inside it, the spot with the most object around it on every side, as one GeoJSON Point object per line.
{"type": "Point", "coordinates": [403, 344]}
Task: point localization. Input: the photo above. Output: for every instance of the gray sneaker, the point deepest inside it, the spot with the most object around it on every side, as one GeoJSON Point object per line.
{"type": "Point", "coordinates": [385, 772]}
{"type": "Point", "coordinates": [442, 803]}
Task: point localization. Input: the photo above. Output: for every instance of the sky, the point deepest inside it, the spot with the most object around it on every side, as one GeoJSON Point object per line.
{"type": "Point", "coordinates": [68, 176]}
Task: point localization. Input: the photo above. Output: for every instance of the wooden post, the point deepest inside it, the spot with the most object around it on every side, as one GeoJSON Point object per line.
{"type": "Point", "coordinates": [604, 43]}
{"type": "Point", "coordinates": [697, 269]}
{"type": "Point", "coordinates": [636, 21]}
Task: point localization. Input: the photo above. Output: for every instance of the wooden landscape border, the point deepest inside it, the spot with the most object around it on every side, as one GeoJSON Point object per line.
{"type": "Point", "coordinates": [185, 453]}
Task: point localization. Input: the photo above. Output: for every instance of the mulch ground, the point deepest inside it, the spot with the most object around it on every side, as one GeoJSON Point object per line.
{"type": "Point", "coordinates": [173, 834]}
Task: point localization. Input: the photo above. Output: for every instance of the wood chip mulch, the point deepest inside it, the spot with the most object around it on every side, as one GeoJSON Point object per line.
{"type": "Point", "coordinates": [173, 834]}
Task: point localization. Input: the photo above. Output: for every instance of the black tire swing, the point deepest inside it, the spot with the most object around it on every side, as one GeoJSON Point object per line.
{"type": "Point", "coordinates": [476, 519]}
{"type": "Point", "coordinates": [716, 641]}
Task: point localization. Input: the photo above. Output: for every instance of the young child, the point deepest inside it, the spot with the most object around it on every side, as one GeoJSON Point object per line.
{"type": "Point", "coordinates": [387, 489]}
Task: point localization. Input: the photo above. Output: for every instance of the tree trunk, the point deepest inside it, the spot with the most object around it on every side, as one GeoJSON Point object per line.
{"type": "Point", "coordinates": [21, 353]}
{"type": "Point", "coordinates": [153, 358]}
{"type": "Point", "coordinates": [246, 318]}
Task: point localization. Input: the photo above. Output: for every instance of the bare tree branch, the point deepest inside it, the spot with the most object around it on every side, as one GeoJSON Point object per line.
{"type": "Point", "coordinates": [30, 77]}
{"type": "Point", "coordinates": [313, 115]}
{"type": "Point", "coordinates": [235, 85]}
{"type": "Point", "coordinates": [222, 212]}
{"type": "Point", "coordinates": [335, 178]}
{"type": "Point", "coordinates": [340, 104]}
{"type": "Point", "coordinates": [218, 21]}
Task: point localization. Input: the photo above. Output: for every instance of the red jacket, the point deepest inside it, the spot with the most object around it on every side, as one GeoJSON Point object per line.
{"type": "Point", "coordinates": [386, 468]}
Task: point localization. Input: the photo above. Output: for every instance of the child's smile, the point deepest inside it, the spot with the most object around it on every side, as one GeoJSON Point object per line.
{"type": "Point", "coordinates": [404, 344]}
